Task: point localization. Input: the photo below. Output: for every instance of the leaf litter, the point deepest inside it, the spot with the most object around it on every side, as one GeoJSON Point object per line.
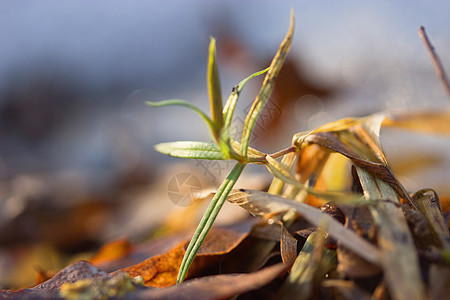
{"type": "Point", "coordinates": [335, 221]}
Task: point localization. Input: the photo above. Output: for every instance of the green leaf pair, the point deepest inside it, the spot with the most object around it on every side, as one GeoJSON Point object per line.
{"type": "Point", "coordinates": [219, 123]}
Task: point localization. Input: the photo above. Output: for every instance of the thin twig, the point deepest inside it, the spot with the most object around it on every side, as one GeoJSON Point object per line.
{"type": "Point", "coordinates": [435, 59]}
{"type": "Point", "coordinates": [283, 152]}
{"type": "Point", "coordinates": [274, 155]}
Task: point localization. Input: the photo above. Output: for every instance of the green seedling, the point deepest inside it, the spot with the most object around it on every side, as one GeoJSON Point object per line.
{"type": "Point", "coordinates": [224, 147]}
{"type": "Point", "coordinates": [356, 139]}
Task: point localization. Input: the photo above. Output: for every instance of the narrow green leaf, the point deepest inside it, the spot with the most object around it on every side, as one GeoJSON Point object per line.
{"type": "Point", "coordinates": [208, 219]}
{"type": "Point", "coordinates": [193, 150]}
{"type": "Point", "coordinates": [228, 112]}
{"type": "Point", "coordinates": [230, 105]}
{"type": "Point", "coordinates": [214, 90]}
{"type": "Point", "coordinates": [177, 102]}
{"type": "Point", "coordinates": [267, 86]}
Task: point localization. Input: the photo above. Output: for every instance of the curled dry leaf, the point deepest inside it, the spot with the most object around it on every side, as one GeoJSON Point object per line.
{"type": "Point", "coordinates": [260, 203]}
{"type": "Point", "coordinates": [288, 245]}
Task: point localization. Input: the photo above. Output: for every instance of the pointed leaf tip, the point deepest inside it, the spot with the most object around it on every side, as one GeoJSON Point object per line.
{"type": "Point", "coordinates": [214, 89]}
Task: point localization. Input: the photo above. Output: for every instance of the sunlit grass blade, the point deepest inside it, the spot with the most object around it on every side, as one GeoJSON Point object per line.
{"type": "Point", "coordinates": [228, 112]}
{"type": "Point", "coordinates": [267, 87]}
{"type": "Point", "coordinates": [312, 264]}
{"type": "Point", "coordinates": [428, 202]}
{"type": "Point", "coordinates": [400, 260]}
{"type": "Point", "coordinates": [177, 102]}
{"type": "Point", "coordinates": [214, 90]}
{"type": "Point", "coordinates": [277, 185]}
{"type": "Point", "coordinates": [192, 150]}
{"type": "Point", "coordinates": [208, 219]}
{"type": "Point", "coordinates": [230, 105]}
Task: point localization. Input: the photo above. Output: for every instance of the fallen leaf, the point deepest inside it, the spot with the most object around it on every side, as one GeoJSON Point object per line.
{"type": "Point", "coordinates": [50, 288]}
{"type": "Point", "coordinates": [162, 270]}
{"type": "Point", "coordinates": [288, 246]}
{"type": "Point", "coordinates": [214, 287]}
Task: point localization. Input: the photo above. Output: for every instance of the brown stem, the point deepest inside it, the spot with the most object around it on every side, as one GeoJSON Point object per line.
{"type": "Point", "coordinates": [435, 59]}
{"type": "Point", "coordinates": [274, 155]}
{"type": "Point", "coordinates": [283, 152]}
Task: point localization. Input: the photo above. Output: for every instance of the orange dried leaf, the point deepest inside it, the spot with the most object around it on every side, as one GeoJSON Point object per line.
{"type": "Point", "coordinates": [160, 270]}
{"type": "Point", "coordinates": [222, 240]}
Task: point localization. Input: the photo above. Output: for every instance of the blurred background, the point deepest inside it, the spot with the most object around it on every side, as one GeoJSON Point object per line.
{"type": "Point", "coordinates": [77, 165]}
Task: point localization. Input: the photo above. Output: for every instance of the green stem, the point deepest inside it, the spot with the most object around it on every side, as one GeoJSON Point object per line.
{"type": "Point", "coordinates": [208, 220]}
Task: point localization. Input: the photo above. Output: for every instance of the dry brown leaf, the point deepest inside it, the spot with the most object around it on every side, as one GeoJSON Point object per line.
{"type": "Point", "coordinates": [162, 270]}
{"type": "Point", "coordinates": [50, 288]}
{"type": "Point", "coordinates": [140, 252]}
{"type": "Point", "coordinates": [221, 240]}
{"type": "Point", "coordinates": [288, 245]}
{"type": "Point", "coordinates": [359, 141]}
{"type": "Point", "coordinates": [215, 287]}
